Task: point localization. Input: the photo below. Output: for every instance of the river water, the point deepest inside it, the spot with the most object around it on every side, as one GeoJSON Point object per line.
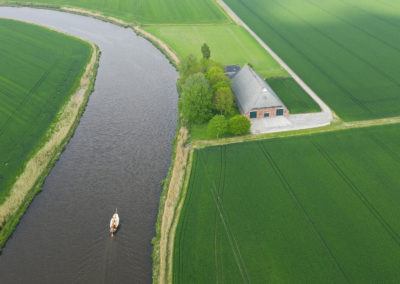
{"type": "Point", "coordinates": [119, 154]}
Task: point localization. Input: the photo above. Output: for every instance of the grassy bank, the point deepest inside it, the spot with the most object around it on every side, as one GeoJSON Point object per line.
{"type": "Point", "coordinates": [36, 79]}
{"type": "Point", "coordinates": [229, 44]}
{"type": "Point", "coordinates": [47, 149]}
{"type": "Point", "coordinates": [244, 201]}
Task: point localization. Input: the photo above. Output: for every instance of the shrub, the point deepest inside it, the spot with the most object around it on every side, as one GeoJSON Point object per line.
{"type": "Point", "coordinates": [239, 125]}
{"type": "Point", "coordinates": [217, 126]}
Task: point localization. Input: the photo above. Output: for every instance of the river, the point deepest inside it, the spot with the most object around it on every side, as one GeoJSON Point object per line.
{"type": "Point", "coordinates": [117, 157]}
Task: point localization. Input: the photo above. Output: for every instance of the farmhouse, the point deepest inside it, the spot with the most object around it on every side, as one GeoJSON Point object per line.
{"type": "Point", "coordinates": [254, 96]}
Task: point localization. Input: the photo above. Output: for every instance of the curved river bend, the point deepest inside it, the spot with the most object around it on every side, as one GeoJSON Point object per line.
{"type": "Point", "coordinates": [119, 154]}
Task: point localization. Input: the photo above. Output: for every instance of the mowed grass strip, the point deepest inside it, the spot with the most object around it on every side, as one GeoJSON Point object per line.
{"type": "Point", "coordinates": [229, 44]}
{"type": "Point", "coordinates": [150, 11]}
{"type": "Point", "coordinates": [312, 209]}
{"type": "Point", "coordinates": [348, 52]}
{"type": "Point", "coordinates": [39, 69]}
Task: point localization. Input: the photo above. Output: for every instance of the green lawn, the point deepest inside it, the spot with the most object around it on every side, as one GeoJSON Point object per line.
{"type": "Point", "coordinates": [348, 52]}
{"type": "Point", "coordinates": [312, 209]}
{"type": "Point", "coordinates": [39, 69]}
{"type": "Point", "coordinates": [151, 11]}
{"type": "Point", "coordinates": [293, 96]}
{"type": "Point", "coordinates": [229, 44]}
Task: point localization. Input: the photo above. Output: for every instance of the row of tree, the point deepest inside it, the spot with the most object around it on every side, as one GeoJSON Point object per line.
{"type": "Point", "coordinates": [205, 91]}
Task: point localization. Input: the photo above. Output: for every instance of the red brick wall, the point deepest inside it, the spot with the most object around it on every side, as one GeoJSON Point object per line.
{"type": "Point", "coordinates": [271, 111]}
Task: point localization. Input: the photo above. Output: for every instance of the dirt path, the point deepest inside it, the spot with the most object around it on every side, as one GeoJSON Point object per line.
{"type": "Point", "coordinates": [35, 167]}
{"type": "Point", "coordinates": [170, 214]}
{"type": "Point", "coordinates": [324, 107]}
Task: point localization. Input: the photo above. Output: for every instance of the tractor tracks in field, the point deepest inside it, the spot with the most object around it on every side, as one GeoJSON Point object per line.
{"type": "Point", "coordinates": [301, 209]}
{"type": "Point", "coordinates": [28, 95]}
{"type": "Point", "coordinates": [232, 239]}
{"type": "Point", "coordinates": [219, 268]}
{"type": "Point", "coordinates": [324, 107]}
{"type": "Point", "coordinates": [192, 180]}
{"type": "Point", "coordinates": [392, 233]}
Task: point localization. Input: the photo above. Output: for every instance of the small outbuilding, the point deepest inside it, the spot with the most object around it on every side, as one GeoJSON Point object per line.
{"type": "Point", "coordinates": [254, 97]}
{"type": "Point", "coordinates": [231, 70]}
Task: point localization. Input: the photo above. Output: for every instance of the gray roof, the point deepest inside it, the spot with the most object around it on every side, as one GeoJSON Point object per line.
{"type": "Point", "coordinates": [252, 92]}
{"type": "Point", "coordinates": [231, 70]}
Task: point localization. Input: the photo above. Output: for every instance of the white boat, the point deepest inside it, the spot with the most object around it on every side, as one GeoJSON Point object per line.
{"type": "Point", "coordinates": [114, 223]}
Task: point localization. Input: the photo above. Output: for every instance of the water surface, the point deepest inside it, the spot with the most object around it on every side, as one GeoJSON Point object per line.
{"type": "Point", "coordinates": [119, 154]}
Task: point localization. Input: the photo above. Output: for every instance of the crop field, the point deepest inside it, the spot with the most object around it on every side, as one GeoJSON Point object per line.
{"type": "Point", "coordinates": [309, 209]}
{"type": "Point", "coordinates": [150, 11]}
{"type": "Point", "coordinates": [229, 44]}
{"type": "Point", "coordinates": [39, 69]}
{"type": "Point", "coordinates": [348, 52]}
{"type": "Point", "coordinates": [293, 96]}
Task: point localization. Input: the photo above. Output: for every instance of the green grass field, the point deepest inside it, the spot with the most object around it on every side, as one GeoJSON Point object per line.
{"type": "Point", "coordinates": [348, 52]}
{"type": "Point", "coordinates": [229, 44]}
{"type": "Point", "coordinates": [311, 209]}
{"type": "Point", "coordinates": [293, 96]}
{"type": "Point", "coordinates": [39, 69]}
{"type": "Point", "coordinates": [150, 11]}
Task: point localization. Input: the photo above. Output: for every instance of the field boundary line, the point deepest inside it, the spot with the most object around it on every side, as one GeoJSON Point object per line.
{"type": "Point", "coordinates": [301, 208]}
{"type": "Point", "coordinates": [324, 107]}
{"type": "Point", "coordinates": [393, 234]}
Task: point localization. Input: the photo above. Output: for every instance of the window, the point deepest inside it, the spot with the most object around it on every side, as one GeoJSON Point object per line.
{"type": "Point", "coordinates": [253, 114]}
{"type": "Point", "coordinates": [279, 111]}
{"type": "Point", "coordinates": [266, 114]}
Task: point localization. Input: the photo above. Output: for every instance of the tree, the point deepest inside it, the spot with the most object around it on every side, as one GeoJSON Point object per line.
{"type": "Point", "coordinates": [206, 51]}
{"type": "Point", "coordinates": [239, 125]}
{"type": "Point", "coordinates": [217, 126]}
{"type": "Point", "coordinates": [196, 99]}
{"type": "Point", "coordinates": [187, 65]}
{"type": "Point", "coordinates": [223, 100]}
{"type": "Point", "coordinates": [217, 76]}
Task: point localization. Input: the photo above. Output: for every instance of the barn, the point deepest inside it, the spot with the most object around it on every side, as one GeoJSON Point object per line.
{"type": "Point", "coordinates": [254, 96]}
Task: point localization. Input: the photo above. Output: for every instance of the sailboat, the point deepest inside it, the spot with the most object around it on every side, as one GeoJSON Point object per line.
{"type": "Point", "coordinates": [114, 223]}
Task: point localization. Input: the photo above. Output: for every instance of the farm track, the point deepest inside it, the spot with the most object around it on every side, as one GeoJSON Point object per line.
{"type": "Point", "coordinates": [351, 96]}
{"type": "Point", "coordinates": [301, 209]}
{"type": "Point", "coordinates": [392, 233]}
{"type": "Point", "coordinates": [228, 229]}
{"type": "Point", "coordinates": [217, 240]}
{"type": "Point", "coordinates": [324, 107]}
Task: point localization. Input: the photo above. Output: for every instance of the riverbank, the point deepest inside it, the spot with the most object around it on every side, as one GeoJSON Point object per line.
{"type": "Point", "coordinates": [158, 43]}
{"type": "Point", "coordinates": [29, 182]}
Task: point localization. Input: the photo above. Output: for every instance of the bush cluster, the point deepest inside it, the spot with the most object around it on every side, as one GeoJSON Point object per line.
{"type": "Point", "coordinates": [206, 96]}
